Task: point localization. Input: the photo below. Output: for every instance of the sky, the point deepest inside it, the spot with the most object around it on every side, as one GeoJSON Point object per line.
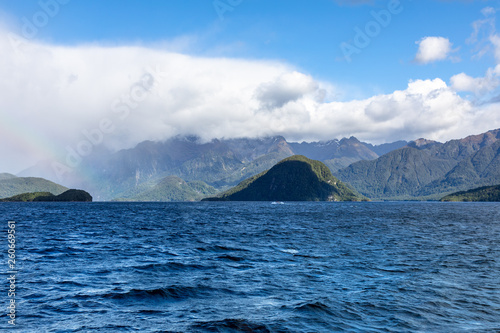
{"type": "Point", "coordinates": [77, 75]}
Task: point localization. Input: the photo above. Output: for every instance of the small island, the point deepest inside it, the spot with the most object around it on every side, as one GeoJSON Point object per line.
{"type": "Point", "coordinates": [481, 194]}
{"type": "Point", "coordinates": [296, 178]}
{"type": "Point", "coordinates": [68, 196]}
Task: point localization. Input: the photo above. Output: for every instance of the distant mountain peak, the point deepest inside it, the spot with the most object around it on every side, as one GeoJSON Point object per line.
{"type": "Point", "coordinates": [279, 138]}
{"type": "Point", "coordinates": [350, 139]}
{"type": "Point", "coordinates": [483, 139]}
{"type": "Point", "coordinates": [423, 143]}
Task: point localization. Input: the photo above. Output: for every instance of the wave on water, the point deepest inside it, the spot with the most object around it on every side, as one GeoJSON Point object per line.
{"type": "Point", "coordinates": [221, 248]}
{"type": "Point", "coordinates": [173, 293]}
{"type": "Point", "coordinates": [231, 325]}
{"type": "Point", "coordinates": [230, 258]}
{"type": "Point", "coordinates": [313, 307]}
{"type": "Point", "coordinates": [171, 266]}
{"type": "Point", "coordinates": [249, 267]}
{"type": "Point", "coordinates": [290, 251]}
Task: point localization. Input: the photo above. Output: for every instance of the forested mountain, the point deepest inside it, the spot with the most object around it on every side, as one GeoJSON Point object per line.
{"type": "Point", "coordinates": [296, 178]}
{"type": "Point", "coordinates": [482, 194]}
{"type": "Point", "coordinates": [220, 163]}
{"type": "Point", "coordinates": [11, 185]}
{"type": "Point", "coordinates": [420, 169]}
{"type": "Point", "coordinates": [427, 169]}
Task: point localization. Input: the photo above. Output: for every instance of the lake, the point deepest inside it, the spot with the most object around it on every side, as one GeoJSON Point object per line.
{"type": "Point", "coordinates": [254, 267]}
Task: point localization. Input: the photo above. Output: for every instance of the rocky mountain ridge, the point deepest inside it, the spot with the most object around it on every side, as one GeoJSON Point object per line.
{"type": "Point", "coordinates": [427, 169]}
{"type": "Point", "coordinates": [220, 163]}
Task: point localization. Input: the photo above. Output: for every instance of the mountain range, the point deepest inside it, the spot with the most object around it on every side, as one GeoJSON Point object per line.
{"type": "Point", "coordinates": [186, 168]}
{"type": "Point", "coordinates": [138, 173]}
{"type": "Point", "coordinates": [427, 169]}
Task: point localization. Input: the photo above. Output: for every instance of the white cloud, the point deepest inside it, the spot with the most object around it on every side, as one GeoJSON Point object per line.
{"type": "Point", "coordinates": [54, 97]}
{"type": "Point", "coordinates": [488, 11]}
{"type": "Point", "coordinates": [483, 29]}
{"type": "Point", "coordinates": [484, 40]}
{"type": "Point", "coordinates": [432, 49]}
{"type": "Point", "coordinates": [480, 85]}
{"type": "Point", "coordinates": [289, 87]}
{"type": "Point", "coordinates": [495, 41]}
{"type": "Point", "coordinates": [427, 108]}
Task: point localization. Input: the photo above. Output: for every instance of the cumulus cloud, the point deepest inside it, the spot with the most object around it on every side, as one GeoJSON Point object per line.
{"type": "Point", "coordinates": [432, 49]}
{"type": "Point", "coordinates": [53, 98]}
{"type": "Point", "coordinates": [427, 108]}
{"type": "Point", "coordinates": [286, 88]}
{"type": "Point", "coordinates": [479, 85]}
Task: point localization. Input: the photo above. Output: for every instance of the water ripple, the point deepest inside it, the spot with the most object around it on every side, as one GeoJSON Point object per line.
{"type": "Point", "coordinates": [254, 267]}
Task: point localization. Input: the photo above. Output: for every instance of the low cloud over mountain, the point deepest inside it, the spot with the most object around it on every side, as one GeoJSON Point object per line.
{"type": "Point", "coordinates": [55, 97]}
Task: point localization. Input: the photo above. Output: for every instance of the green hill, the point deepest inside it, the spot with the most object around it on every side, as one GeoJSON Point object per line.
{"type": "Point", "coordinates": [6, 176]}
{"type": "Point", "coordinates": [11, 185]}
{"type": "Point", "coordinates": [67, 196]}
{"type": "Point", "coordinates": [25, 197]}
{"type": "Point", "coordinates": [296, 178]}
{"type": "Point", "coordinates": [485, 194]}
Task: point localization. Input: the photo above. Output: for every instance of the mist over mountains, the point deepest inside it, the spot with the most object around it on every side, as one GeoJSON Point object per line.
{"type": "Point", "coordinates": [220, 163]}
{"type": "Point", "coordinates": [185, 168]}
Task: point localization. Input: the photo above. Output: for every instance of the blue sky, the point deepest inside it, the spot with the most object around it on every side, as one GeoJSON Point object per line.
{"type": "Point", "coordinates": [230, 68]}
{"type": "Point", "coordinates": [306, 34]}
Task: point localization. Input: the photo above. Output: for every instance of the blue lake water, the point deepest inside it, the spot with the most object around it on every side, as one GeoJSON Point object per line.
{"type": "Point", "coordinates": [255, 267]}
